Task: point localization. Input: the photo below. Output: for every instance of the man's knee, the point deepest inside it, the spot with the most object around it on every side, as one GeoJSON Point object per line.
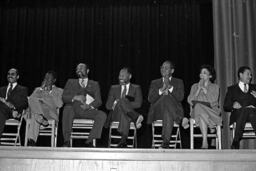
{"type": "Point", "coordinates": [101, 116]}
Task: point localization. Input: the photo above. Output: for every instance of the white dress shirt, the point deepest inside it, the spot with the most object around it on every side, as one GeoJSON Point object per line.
{"type": "Point", "coordinates": [241, 86]}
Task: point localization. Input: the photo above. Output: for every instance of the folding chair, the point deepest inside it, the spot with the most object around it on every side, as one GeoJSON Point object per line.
{"type": "Point", "coordinates": [216, 134]}
{"type": "Point", "coordinates": [81, 130]}
{"type": "Point", "coordinates": [11, 134]}
{"type": "Point", "coordinates": [114, 136]}
{"type": "Point", "coordinates": [157, 135]}
{"type": "Point", "coordinates": [248, 133]}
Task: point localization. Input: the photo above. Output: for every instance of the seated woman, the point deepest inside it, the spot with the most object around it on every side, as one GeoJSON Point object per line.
{"type": "Point", "coordinates": [204, 102]}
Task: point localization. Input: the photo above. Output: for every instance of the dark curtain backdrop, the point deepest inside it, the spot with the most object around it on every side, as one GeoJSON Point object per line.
{"type": "Point", "coordinates": [234, 46]}
{"type": "Point", "coordinates": [36, 36]}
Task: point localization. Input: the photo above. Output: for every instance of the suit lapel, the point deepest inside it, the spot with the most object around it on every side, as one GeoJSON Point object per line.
{"type": "Point", "coordinates": [130, 91]}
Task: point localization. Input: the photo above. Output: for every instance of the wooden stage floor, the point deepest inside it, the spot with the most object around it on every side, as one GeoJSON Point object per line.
{"type": "Point", "coordinates": [105, 159]}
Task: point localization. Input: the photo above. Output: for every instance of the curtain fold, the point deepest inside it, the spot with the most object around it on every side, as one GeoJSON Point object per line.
{"type": "Point", "coordinates": [234, 46]}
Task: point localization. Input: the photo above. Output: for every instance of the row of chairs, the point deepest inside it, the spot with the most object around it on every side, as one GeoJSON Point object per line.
{"type": "Point", "coordinates": [82, 127]}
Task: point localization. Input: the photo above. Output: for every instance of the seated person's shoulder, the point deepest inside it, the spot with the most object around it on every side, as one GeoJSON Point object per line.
{"type": "Point", "coordinates": [115, 86]}
{"type": "Point", "coordinates": [136, 85]}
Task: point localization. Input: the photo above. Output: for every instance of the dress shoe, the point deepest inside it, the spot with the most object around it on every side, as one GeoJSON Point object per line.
{"type": "Point", "coordinates": [66, 144]}
{"type": "Point", "coordinates": [235, 145]}
{"type": "Point", "coordinates": [138, 121]}
{"type": "Point", "coordinates": [31, 143]}
{"type": "Point", "coordinates": [122, 144]}
{"type": "Point", "coordinates": [165, 145]}
{"type": "Point", "coordinates": [89, 144]}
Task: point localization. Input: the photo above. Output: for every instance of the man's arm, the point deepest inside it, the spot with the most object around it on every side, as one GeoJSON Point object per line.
{"type": "Point", "coordinates": [97, 97]}
{"type": "Point", "coordinates": [228, 103]}
{"type": "Point", "coordinates": [20, 99]}
{"type": "Point", "coordinates": [178, 92]}
{"type": "Point", "coordinates": [138, 98]}
{"type": "Point", "coordinates": [153, 94]}
{"type": "Point", "coordinates": [68, 92]}
{"type": "Point", "coordinates": [111, 99]}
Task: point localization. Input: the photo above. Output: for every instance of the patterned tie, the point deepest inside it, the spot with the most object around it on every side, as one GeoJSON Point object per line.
{"type": "Point", "coordinates": [124, 92]}
{"type": "Point", "coordinates": [245, 88]}
{"type": "Point", "coordinates": [9, 91]}
{"type": "Point", "coordinates": [83, 83]}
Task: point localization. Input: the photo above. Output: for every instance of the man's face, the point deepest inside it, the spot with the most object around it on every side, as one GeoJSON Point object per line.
{"type": "Point", "coordinates": [246, 76]}
{"type": "Point", "coordinates": [82, 71]}
{"type": "Point", "coordinates": [124, 77]}
{"type": "Point", "coordinates": [12, 76]}
{"type": "Point", "coordinates": [49, 80]}
{"type": "Point", "coordinates": [166, 70]}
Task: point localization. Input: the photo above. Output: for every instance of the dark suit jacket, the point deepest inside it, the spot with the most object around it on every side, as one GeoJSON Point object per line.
{"type": "Point", "coordinates": [177, 94]}
{"type": "Point", "coordinates": [18, 97]}
{"type": "Point", "coordinates": [134, 95]}
{"type": "Point", "coordinates": [234, 93]}
{"type": "Point", "coordinates": [73, 88]}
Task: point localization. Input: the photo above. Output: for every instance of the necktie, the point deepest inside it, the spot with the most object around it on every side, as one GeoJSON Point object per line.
{"type": "Point", "coordinates": [83, 83]}
{"type": "Point", "coordinates": [124, 92]}
{"type": "Point", "coordinates": [245, 88]}
{"type": "Point", "coordinates": [9, 91]}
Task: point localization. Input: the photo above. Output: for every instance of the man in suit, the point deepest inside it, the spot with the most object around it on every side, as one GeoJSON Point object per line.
{"type": "Point", "coordinates": [13, 99]}
{"type": "Point", "coordinates": [44, 104]}
{"type": "Point", "coordinates": [82, 98]}
{"type": "Point", "coordinates": [240, 100]}
{"type": "Point", "coordinates": [122, 101]}
{"type": "Point", "coordinates": [165, 96]}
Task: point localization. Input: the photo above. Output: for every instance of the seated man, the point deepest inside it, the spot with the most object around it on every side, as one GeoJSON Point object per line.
{"type": "Point", "coordinates": [82, 98]}
{"type": "Point", "coordinates": [240, 100]}
{"type": "Point", "coordinates": [122, 100]}
{"type": "Point", "coordinates": [44, 104]}
{"type": "Point", "coordinates": [13, 99]}
{"type": "Point", "coordinates": [165, 96]}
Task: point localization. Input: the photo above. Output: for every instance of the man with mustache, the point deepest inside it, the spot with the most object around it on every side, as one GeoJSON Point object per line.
{"type": "Point", "coordinates": [122, 101]}
{"type": "Point", "coordinates": [13, 99]}
{"type": "Point", "coordinates": [165, 96]}
{"type": "Point", "coordinates": [82, 98]}
{"type": "Point", "coordinates": [240, 100]}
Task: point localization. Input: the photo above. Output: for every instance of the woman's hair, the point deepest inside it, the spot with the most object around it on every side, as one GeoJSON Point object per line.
{"type": "Point", "coordinates": [211, 71]}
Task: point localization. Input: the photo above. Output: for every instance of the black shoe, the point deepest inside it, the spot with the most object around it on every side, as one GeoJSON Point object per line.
{"type": "Point", "coordinates": [122, 144]}
{"type": "Point", "coordinates": [31, 143]}
{"type": "Point", "coordinates": [235, 145]}
{"type": "Point", "coordinates": [66, 144]}
{"type": "Point", "coordinates": [165, 145]}
{"type": "Point", "coordinates": [89, 144]}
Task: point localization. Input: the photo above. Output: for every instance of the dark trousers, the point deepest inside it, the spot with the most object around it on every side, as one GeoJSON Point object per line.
{"type": "Point", "coordinates": [244, 115]}
{"type": "Point", "coordinates": [166, 109]}
{"type": "Point", "coordinates": [5, 113]}
{"type": "Point", "coordinates": [74, 111]}
{"type": "Point", "coordinates": [126, 114]}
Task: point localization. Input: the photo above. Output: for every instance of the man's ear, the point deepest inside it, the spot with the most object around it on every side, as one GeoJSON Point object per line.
{"type": "Point", "coordinates": [18, 77]}
{"type": "Point", "coordinates": [172, 71]}
{"type": "Point", "coordinates": [130, 76]}
{"type": "Point", "coordinates": [87, 71]}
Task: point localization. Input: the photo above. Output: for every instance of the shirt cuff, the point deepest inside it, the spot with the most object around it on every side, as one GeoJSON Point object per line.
{"type": "Point", "coordinates": [170, 89]}
{"type": "Point", "coordinates": [160, 92]}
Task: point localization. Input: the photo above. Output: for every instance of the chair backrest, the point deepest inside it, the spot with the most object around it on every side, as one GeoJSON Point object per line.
{"type": "Point", "coordinates": [157, 135]}
{"type": "Point", "coordinates": [114, 136]}
{"type": "Point", "coordinates": [81, 130]}
{"type": "Point", "coordinates": [11, 134]}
